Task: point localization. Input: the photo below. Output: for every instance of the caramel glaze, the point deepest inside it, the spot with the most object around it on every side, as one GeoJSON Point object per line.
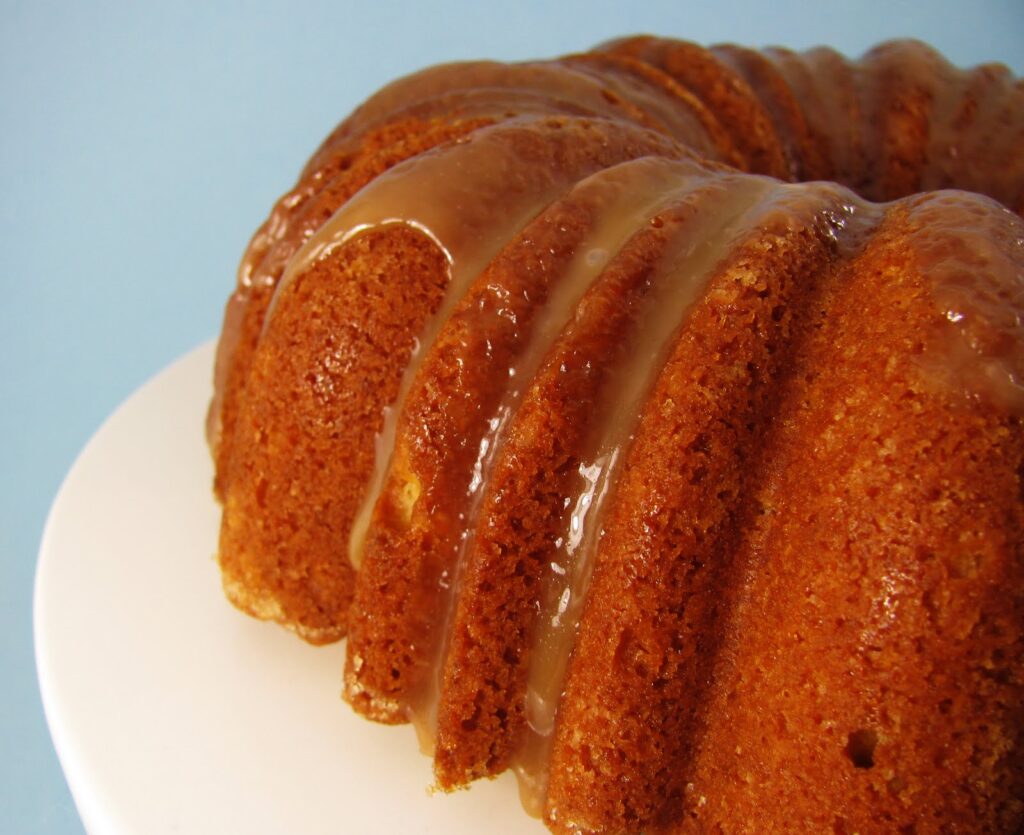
{"type": "Point", "coordinates": [520, 350]}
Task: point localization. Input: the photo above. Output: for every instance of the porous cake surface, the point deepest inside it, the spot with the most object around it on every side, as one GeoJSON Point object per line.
{"type": "Point", "coordinates": [690, 492]}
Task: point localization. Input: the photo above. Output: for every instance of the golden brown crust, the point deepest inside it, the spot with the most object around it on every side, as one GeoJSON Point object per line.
{"type": "Point", "coordinates": [303, 446]}
{"type": "Point", "coordinates": [877, 643]}
{"type": "Point", "coordinates": [819, 103]}
{"type": "Point", "coordinates": [693, 122]}
{"type": "Point", "coordinates": [724, 93]}
{"type": "Point", "coordinates": [803, 156]}
{"type": "Point", "coordinates": [898, 100]}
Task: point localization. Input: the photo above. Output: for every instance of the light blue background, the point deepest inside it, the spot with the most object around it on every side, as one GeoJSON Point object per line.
{"type": "Point", "coordinates": [141, 145]}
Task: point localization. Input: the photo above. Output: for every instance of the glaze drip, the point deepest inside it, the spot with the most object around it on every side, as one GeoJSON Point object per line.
{"type": "Point", "coordinates": [619, 200]}
{"type": "Point", "coordinates": [715, 219]}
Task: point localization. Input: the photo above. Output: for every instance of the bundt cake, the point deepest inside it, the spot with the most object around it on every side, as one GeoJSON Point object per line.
{"type": "Point", "coordinates": [650, 421]}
